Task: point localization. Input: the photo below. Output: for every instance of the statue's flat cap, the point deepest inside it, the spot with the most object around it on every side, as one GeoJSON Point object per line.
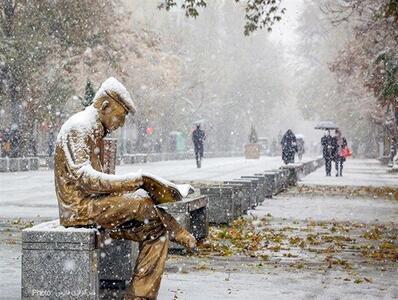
{"type": "Point", "coordinates": [117, 91]}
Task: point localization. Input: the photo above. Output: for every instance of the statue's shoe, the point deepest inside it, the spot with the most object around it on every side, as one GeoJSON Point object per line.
{"type": "Point", "coordinates": [185, 239]}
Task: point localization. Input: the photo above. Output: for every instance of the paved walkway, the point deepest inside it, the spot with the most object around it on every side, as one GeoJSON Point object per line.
{"type": "Point", "coordinates": [301, 246]}
{"type": "Point", "coordinates": [295, 246]}
{"type": "Point", "coordinates": [356, 172]}
{"type": "Point", "coordinates": [31, 195]}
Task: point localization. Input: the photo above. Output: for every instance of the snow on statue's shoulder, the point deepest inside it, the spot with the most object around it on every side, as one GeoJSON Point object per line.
{"type": "Point", "coordinates": [84, 122]}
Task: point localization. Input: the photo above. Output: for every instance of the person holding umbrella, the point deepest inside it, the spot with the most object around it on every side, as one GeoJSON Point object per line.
{"type": "Point", "coordinates": [328, 147]}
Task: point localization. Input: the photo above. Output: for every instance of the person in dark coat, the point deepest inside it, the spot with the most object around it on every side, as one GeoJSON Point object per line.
{"type": "Point", "coordinates": [289, 147]}
{"type": "Point", "coordinates": [339, 142]}
{"type": "Point", "coordinates": [300, 148]}
{"type": "Point", "coordinates": [328, 151]}
{"type": "Point", "coordinates": [198, 137]}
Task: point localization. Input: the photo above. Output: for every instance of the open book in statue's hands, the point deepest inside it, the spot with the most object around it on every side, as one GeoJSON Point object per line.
{"type": "Point", "coordinates": [164, 191]}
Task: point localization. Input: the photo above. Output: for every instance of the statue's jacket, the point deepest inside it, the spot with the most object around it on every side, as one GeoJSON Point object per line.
{"type": "Point", "coordinates": [79, 177]}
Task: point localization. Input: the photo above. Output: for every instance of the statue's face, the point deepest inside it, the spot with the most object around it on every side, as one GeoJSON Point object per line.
{"type": "Point", "coordinates": [113, 115]}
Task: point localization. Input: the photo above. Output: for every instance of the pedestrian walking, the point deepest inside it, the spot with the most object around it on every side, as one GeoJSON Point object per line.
{"type": "Point", "coordinates": [289, 147]}
{"type": "Point", "coordinates": [198, 137]}
{"type": "Point", "coordinates": [340, 144]}
{"type": "Point", "coordinates": [300, 146]}
{"type": "Point", "coordinates": [51, 143]}
{"type": "Point", "coordinates": [328, 148]}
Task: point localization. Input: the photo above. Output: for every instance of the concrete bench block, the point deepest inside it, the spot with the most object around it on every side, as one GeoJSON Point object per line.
{"type": "Point", "coordinates": [246, 193]}
{"type": "Point", "coordinates": [59, 262]}
{"type": "Point", "coordinates": [258, 181]}
{"type": "Point", "coordinates": [73, 263]}
{"type": "Point", "coordinates": [13, 164]}
{"type": "Point", "coordinates": [4, 164]}
{"type": "Point", "coordinates": [116, 261]}
{"type": "Point", "coordinates": [50, 162]}
{"type": "Point", "coordinates": [128, 159]}
{"type": "Point", "coordinates": [263, 191]}
{"type": "Point", "coordinates": [33, 163]}
{"type": "Point", "coordinates": [24, 164]}
{"type": "Point", "coordinates": [270, 183]}
{"type": "Point", "coordinates": [140, 158]}
{"type": "Point", "coordinates": [293, 173]}
{"type": "Point", "coordinates": [221, 204]}
{"type": "Point", "coordinates": [278, 183]}
{"type": "Point", "coordinates": [192, 214]}
{"type": "Point", "coordinates": [153, 157]}
{"type": "Point", "coordinates": [285, 178]}
{"type": "Point", "coordinates": [281, 176]}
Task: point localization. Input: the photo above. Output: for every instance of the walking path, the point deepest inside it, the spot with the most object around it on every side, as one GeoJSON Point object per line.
{"type": "Point", "coordinates": [31, 195]}
{"type": "Point", "coordinates": [302, 244]}
{"type": "Point", "coordinates": [356, 172]}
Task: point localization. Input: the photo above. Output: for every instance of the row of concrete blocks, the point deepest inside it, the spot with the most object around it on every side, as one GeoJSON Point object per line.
{"type": "Point", "coordinates": [85, 263]}
{"type": "Point", "coordinates": [19, 164]}
{"type": "Point", "coordinates": [229, 200]}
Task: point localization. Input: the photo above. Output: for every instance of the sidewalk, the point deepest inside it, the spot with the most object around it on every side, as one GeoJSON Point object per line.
{"type": "Point", "coordinates": [356, 172]}
{"type": "Point", "coordinates": [301, 246]}
{"type": "Point", "coordinates": [295, 246]}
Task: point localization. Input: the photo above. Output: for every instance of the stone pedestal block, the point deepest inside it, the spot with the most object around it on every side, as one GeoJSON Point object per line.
{"type": "Point", "coordinates": [50, 162]}
{"type": "Point", "coordinates": [33, 163]}
{"type": "Point", "coordinates": [4, 164]}
{"type": "Point", "coordinates": [284, 179]}
{"type": "Point", "coordinates": [270, 183]}
{"type": "Point", "coordinates": [128, 159]}
{"type": "Point", "coordinates": [246, 194]}
{"type": "Point", "coordinates": [294, 173]}
{"type": "Point", "coordinates": [258, 182]}
{"type": "Point", "coordinates": [152, 157]}
{"type": "Point", "coordinates": [13, 164]}
{"type": "Point", "coordinates": [116, 261]}
{"type": "Point", "coordinates": [73, 263]}
{"type": "Point", "coordinates": [221, 204]}
{"type": "Point", "coordinates": [140, 158]}
{"type": "Point", "coordinates": [264, 188]}
{"type": "Point", "coordinates": [24, 164]}
{"type": "Point", "coordinates": [59, 263]}
{"type": "Point", "coordinates": [191, 213]}
{"type": "Point", "coordinates": [279, 184]}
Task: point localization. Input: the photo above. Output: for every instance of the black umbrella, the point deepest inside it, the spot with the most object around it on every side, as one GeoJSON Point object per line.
{"type": "Point", "coordinates": [324, 125]}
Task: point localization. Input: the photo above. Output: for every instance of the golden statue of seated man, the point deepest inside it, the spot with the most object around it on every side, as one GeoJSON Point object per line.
{"type": "Point", "coordinates": [89, 197]}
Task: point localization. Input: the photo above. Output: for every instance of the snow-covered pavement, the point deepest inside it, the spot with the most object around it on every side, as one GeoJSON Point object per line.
{"type": "Point", "coordinates": [356, 172]}
{"type": "Point", "coordinates": [31, 194]}
{"type": "Point", "coordinates": [314, 246]}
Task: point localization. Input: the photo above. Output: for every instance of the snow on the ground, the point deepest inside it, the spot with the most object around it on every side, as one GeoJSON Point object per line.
{"type": "Point", "coordinates": [324, 208]}
{"type": "Point", "coordinates": [356, 172]}
{"type": "Point", "coordinates": [275, 283]}
{"type": "Point", "coordinates": [222, 168]}
{"type": "Point", "coordinates": [28, 194]}
{"type": "Point", "coordinates": [32, 194]}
